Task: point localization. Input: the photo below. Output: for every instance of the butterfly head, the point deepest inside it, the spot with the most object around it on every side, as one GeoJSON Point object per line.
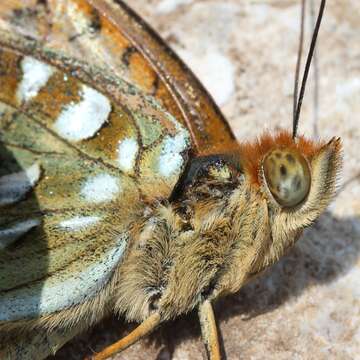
{"type": "Point", "coordinates": [290, 171]}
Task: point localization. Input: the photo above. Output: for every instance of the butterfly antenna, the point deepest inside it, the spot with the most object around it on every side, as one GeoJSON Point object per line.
{"type": "Point", "coordinates": [298, 60]}
{"type": "Point", "coordinates": [315, 66]}
{"type": "Point", "coordinates": [298, 100]}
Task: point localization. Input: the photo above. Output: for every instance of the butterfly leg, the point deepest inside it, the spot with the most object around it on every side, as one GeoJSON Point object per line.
{"type": "Point", "coordinates": [142, 330]}
{"type": "Point", "coordinates": [209, 330]}
{"type": "Point", "coordinates": [37, 344]}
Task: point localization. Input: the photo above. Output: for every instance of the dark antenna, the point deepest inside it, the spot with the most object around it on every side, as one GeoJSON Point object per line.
{"type": "Point", "coordinates": [298, 60]}
{"type": "Point", "coordinates": [315, 66]}
{"type": "Point", "coordinates": [307, 65]}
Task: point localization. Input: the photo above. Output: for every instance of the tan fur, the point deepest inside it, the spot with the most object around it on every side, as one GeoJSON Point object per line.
{"type": "Point", "coordinates": [179, 262]}
{"type": "Point", "coordinates": [181, 255]}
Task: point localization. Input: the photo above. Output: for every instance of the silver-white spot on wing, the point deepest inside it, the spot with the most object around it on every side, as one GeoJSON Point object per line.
{"type": "Point", "coordinates": [10, 234]}
{"type": "Point", "coordinates": [101, 188]}
{"type": "Point", "coordinates": [35, 76]}
{"type": "Point", "coordinates": [79, 222]}
{"type": "Point", "coordinates": [127, 152]}
{"type": "Point", "coordinates": [14, 187]}
{"type": "Point", "coordinates": [82, 120]}
{"type": "Point", "coordinates": [63, 291]}
{"type": "Point", "coordinates": [170, 159]}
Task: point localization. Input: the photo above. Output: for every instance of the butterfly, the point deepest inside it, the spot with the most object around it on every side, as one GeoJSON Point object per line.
{"type": "Point", "coordinates": [122, 188]}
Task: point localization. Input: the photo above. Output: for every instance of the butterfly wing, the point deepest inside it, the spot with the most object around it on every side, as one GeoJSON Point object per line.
{"type": "Point", "coordinates": [71, 185]}
{"type": "Point", "coordinates": [76, 170]}
{"type": "Point", "coordinates": [109, 34]}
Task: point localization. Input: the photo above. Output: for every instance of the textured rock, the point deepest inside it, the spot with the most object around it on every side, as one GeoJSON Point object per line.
{"type": "Point", "coordinates": [308, 305]}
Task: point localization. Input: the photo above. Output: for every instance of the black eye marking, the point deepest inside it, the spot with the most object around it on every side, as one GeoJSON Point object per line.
{"type": "Point", "coordinates": [278, 155]}
{"type": "Point", "coordinates": [290, 158]}
{"type": "Point", "coordinates": [283, 170]}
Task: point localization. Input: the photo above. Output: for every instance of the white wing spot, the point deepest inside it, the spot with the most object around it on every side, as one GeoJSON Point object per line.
{"type": "Point", "coordinates": [79, 222]}
{"type": "Point", "coordinates": [61, 292]}
{"type": "Point", "coordinates": [83, 120]}
{"type": "Point", "coordinates": [100, 188]}
{"type": "Point", "coordinates": [14, 187]}
{"type": "Point", "coordinates": [9, 235]}
{"type": "Point", "coordinates": [170, 159]}
{"type": "Point", "coordinates": [127, 151]}
{"type": "Point", "coordinates": [35, 76]}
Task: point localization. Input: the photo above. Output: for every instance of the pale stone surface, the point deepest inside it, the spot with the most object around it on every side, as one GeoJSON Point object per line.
{"type": "Point", "coordinates": [308, 305]}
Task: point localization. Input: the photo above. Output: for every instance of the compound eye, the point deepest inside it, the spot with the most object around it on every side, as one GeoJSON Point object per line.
{"type": "Point", "coordinates": [287, 176]}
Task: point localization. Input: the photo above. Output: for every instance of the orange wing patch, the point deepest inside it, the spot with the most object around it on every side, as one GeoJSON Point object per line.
{"type": "Point", "coordinates": [129, 48]}
{"type": "Point", "coordinates": [81, 163]}
{"type": "Point", "coordinates": [88, 121]}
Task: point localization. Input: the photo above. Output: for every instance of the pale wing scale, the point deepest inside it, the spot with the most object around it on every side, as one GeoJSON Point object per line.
{"type": "Point", "coordinates": [90, 186]}
{"type": "Point", "coordinates": [35, 75]}
{"type": "Point", "coordinates": [14, 187]}
{"type": "Point", "coordinates": [74, 288]}
{"type": "Point", "coordinates": [9, 235]}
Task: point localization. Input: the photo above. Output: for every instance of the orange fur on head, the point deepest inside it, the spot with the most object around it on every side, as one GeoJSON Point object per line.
{"type": "Point", "coordinates": [252, 153]}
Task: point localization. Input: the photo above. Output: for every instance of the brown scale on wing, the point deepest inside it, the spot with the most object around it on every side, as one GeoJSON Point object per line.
{"type": "Point", "coordinates": [180, 93]}
{"type": "Point", "coordinates": [42, 186]}
{"type": "Point", "coordinates": [69, 183]}
{"type": "Point", "coordinates": [9, 80]}
{"type": "Point", "coordinates": [133, 116]}
{"type": "Point", "coordinates": [209, 130]}
{"type": "Point", "coordinates": [112, 35]}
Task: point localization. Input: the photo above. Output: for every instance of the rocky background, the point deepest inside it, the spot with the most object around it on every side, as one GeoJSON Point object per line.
{"type": "Point", "coordinates": [308, 305]}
